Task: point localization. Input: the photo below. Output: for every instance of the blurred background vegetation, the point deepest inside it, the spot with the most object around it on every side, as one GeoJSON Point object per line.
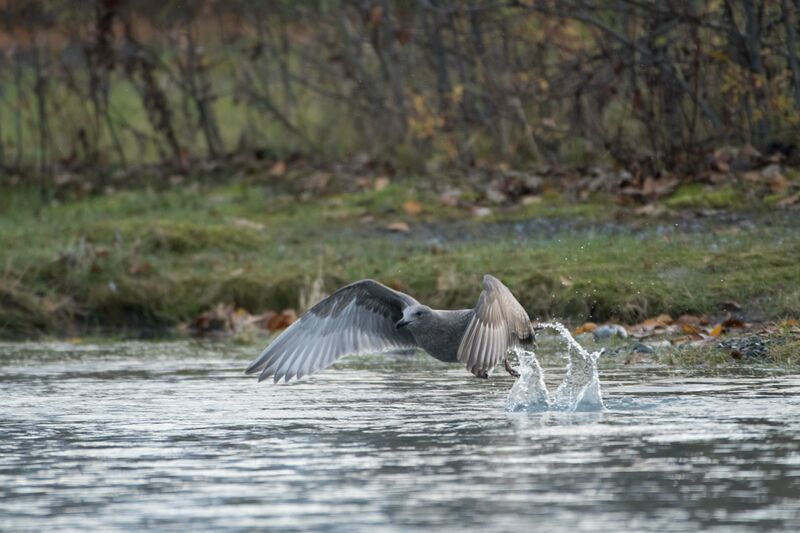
{"type": "Point", "coordinates": [162, 159]}
{"type": "Point", "coordinates": [108, 86]}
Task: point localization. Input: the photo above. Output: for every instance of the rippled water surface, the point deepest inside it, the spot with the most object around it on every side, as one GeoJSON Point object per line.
{"type": "Point", "coordinates": [172, 436]}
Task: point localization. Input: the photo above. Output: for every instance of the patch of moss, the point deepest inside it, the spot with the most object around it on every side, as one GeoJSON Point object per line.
{"type": "Point", "coordinates": [696, 195]}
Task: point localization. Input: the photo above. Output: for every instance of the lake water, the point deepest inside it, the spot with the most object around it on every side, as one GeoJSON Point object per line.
{"type": "Point", "coordinates": [172, 436]}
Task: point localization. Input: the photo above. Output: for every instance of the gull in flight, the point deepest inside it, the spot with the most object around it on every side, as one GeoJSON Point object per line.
{"type": "Point", "coordinates": [367, 317]}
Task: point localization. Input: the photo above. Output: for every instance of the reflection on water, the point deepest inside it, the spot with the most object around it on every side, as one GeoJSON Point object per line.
{"type": "Point", "coordinates": [174, 437]}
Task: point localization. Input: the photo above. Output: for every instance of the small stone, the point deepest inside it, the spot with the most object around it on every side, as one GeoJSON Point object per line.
{"type": "Point", "coordinates": [771, 171]}
{"type": "Point", "coordinates": [751, 347]}
{"type": "Point", "coordinates": [641, 347]}
{"type": "Point", "coordinates": [610, 330]}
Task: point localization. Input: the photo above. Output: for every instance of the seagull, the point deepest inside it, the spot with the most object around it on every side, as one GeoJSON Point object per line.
{"type": "Point", "coordinates": [368, 317]}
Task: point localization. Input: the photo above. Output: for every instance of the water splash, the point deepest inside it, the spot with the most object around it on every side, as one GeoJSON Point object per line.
{"type": "Point", "coordinates": [578, 391]}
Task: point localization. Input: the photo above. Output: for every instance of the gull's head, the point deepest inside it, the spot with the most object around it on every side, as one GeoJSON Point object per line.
{"type": "Point", "coordinates": [414, 315]}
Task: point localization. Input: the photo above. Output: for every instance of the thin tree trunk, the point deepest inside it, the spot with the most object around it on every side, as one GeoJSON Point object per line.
{"type": "Point", "coordinates": [19, 153]}
{"type": "Point", "coordinates": [40, 90]}
{"type": "Point", "coordinates": [790, 23]}
{"type": "Point", "coordinates": [200, 90]}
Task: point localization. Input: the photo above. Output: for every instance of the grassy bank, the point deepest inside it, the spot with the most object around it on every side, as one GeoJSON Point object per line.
{"type": "Point", "coordinates": [151, 260]}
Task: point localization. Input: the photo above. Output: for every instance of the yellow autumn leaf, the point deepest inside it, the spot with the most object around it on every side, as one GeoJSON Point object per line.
{"type": "Point", "coordinates": [412, 207]}
{"type": "Point", "coordinates": [457, 93]}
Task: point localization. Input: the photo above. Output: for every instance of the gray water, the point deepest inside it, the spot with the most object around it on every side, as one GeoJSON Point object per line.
{"type": "Point", "coordinates": [172, 436]}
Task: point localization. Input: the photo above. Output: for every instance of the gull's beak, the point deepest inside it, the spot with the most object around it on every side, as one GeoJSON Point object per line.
{"type": "Point", "coordinates": [401, 323]}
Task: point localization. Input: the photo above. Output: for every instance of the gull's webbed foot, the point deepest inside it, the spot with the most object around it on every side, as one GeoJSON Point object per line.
{"type": "Point", "coordinates": [510, 369]}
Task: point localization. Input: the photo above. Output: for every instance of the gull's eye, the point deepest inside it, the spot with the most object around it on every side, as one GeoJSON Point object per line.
{"type": "Point", "coordinates": [419, 313]}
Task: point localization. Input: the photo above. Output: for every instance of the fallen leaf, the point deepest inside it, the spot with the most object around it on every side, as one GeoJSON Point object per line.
{"type": "Point", "coordinates": [566, 282]}
{"type": "Point", "coordinates": [450, 197]}
{"type": "Point", "coordinates": [480, 212]}
{"type": "Point", "coordinates": [751, 176]}
{"type": "Point", "coordinates": [716, 331]}
{"type": "Point", "coordinates": [733, 323]}
{"type": "Point", "coordinates": [530, 199]}
{"type": "Point", "coordinates": [664, 319]}
{"type": "Point", "coordinates": [650, 210]}
{"type": "Point", "coordinates": [789, 200]}
{"type": "Point", "coordinates": [689, 329]}
{"type": "Point", "coordinates": [587, 327]}
{"type": "Point", "coordinates": [381, 182]}
{"type": "Point", "coordinates": [262, 320]}
{"type": "Point", "coordinates": [282, 320]}
{"type": "Point", "coordinates": [139, 267]}
{"type": "Point", "coordinates": [677, 341]}
{"type": "Point", "coordinates": [318, 180]}
{"type": "Point", "coordinates": [691, 320]}
{"type": "Point", "coordinates": [247, 224]}
{"type": "Point", "coordinates": [399, 227]}
{"type": "Point", "coordinates": [412, 208]}
{"type": "Point", "coordinates": [778, 183]}
{"type": "Point", "coordinates": [278, 169]}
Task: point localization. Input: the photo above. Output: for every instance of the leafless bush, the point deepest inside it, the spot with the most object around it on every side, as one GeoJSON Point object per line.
{"type": "Point", "coordinates": [651, 85]}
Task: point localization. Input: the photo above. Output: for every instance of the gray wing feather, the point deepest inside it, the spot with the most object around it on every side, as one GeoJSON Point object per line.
{"type": "Point", "coordinates": [358, 318]}
{"type": "Point", "coordinates": [498, 322]}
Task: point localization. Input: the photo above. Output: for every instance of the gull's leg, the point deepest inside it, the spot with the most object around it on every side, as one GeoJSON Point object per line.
{"type": "Point", "coordinates": [509, 369]}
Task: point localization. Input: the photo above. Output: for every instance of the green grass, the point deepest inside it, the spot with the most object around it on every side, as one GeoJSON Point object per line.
{"type": "Point", "coordinates": [696, 195]}
{"type": "Point", "coordinates": [145, 259]}
{"type": "Point", "coordinates": [783, 351]}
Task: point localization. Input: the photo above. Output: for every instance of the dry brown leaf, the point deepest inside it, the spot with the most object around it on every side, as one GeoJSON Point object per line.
{"type": "Point", "coordinates": [412, 207]}
{"type": "Point", "coordinates": [530, 199]}
{"type": "Point", "coordinates": [677, 341]}
{"type": "Point", "coordinates": [247, 224]}
{"type": "Point", "coordinates": [262, 320]}
{"type": "Point", "coordinates": [778, 183]}
{"type": "Point", "coordinates": [278, 169]}
{"type": "Point", "coordinates": [690, 329]}
{"type": "Point", "coordinates": [733, 323]}
{"type": "Point", "coordinates": [692, 320]}
{"type": "Point", "coordinates": [139, 267]}
{"type": "Point", "coordinates": [282, 320]}
{"type": "Point", "coordinates": [587, 327]}
{"type": "Point", "coordinates": [650, 210]}
{"type": "Point", "coordinates": [480, 212]}
{"type": "Point", "coordinates": [381, 182]}
{"type": "Point", "coordinates": [789, 200]}
{"type": "Point", "coordinates": [664, 319]}
{"type": "Point", "coordinates": [399, 227]}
